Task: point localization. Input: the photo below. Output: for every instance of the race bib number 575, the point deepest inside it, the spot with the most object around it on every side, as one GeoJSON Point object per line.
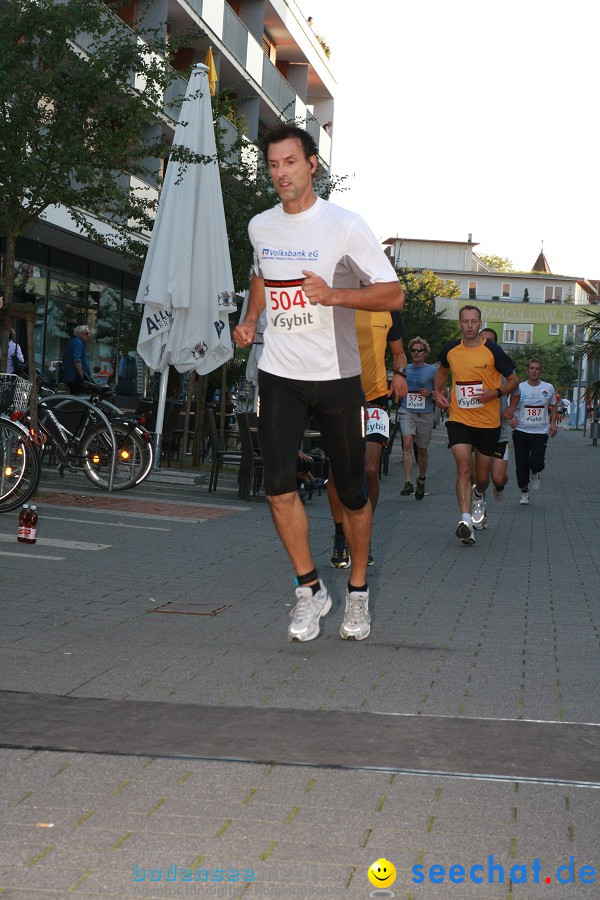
{"type": "Point", "coordinates": [288, 308]}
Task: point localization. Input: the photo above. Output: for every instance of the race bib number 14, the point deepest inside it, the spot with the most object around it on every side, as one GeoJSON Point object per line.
{"type": "Point", "coordinates": [378, 421]}
{"type": "Point", "coordinates": [288, 308]}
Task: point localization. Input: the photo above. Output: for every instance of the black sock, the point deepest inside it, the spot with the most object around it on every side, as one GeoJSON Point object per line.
{"type": "Point", "coordinates": [351, 587]}
{"type": "Point", "coordinates": [304, 580]}
{"type": "Point", "coordinates": [339, 529]}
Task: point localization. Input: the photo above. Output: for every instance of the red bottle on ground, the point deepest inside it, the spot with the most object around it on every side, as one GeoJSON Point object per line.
{"type": "Point", "coordinates": [31, 527]}
{"type": "Point", "coordinates": [21, 533]}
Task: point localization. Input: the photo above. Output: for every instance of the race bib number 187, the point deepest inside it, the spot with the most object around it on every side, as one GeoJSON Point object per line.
{"type": "Point", "coordinates": [535, 415]}
{"type": "Point", "coordinates": [288, 308]}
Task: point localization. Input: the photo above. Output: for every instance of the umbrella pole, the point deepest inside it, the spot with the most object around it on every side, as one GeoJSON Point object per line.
{"type": "Point", "coordinates": [160, 417]}
{"type": "Point", "coordinates": [223, 404]}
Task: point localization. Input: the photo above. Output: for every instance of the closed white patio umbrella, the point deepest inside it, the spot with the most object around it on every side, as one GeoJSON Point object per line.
{"type": "Point", "coordinates": [187, 284]}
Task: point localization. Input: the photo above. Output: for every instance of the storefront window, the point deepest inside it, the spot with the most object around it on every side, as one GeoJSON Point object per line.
{"type": "Point", "coordinates": [30, 282]}
{"type": "Point", "coordinates": [103, 319]}
{"type": "Point", "coordinates": [68, 288]}
{"type": "Point", "coordinates": [61, 320]}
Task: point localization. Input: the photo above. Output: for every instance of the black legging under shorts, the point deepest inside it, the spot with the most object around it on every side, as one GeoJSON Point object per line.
{"type": "Point", "coordinates": [284, 407]}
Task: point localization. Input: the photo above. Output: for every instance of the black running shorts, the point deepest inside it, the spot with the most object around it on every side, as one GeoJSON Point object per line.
{"type": "Point", "coordinates": [485, 440]}
{"type": "Point", "coordinates": [284, 407]}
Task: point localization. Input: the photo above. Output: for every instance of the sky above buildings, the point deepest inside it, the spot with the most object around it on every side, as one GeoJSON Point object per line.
{"type": "Point", "coordinates": [459, 118]}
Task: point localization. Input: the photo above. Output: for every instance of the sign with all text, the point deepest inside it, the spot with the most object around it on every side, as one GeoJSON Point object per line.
{"type": "Point", "coordinates": [519, 313]}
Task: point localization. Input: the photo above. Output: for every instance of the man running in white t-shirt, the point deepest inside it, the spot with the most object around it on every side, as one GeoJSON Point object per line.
{"type": "Point", "coordinates": [314, 264]}
{"type": "Point", "coordinates": [528, 413]}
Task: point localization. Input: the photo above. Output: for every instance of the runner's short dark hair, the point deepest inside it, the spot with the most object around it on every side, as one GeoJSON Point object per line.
{"type": "Point", "coordinates": [286, 130]}
{"type": "Point", "coordinates": [535, 359]}
{"type": "Point", "coordinates": [494, 332]}
{"type": "Point", "coordinates": [468, 306]}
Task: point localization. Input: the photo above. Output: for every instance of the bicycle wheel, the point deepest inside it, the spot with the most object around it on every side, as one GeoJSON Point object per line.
{"type": "Point", "coordinates": [131, 465]}
{"type": "Point", "coordinates": [19, 467]}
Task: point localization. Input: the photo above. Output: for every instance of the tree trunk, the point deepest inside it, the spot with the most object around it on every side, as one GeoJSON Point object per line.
{"type": "Point", "coordinates": [6, 312]}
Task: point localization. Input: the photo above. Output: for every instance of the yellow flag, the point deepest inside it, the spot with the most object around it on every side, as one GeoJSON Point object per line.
{"type": "Point", "coordinates": [212, 72]}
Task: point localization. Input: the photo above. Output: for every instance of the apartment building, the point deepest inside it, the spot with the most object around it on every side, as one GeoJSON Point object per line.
{"type": "Point", "coordinates": [536, 307]}
{"type": "Point", "coordinates": [273, 66]}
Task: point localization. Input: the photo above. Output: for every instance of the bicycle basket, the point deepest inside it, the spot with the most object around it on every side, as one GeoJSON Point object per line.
{"type": "Point", "coordinates": [14, 392]}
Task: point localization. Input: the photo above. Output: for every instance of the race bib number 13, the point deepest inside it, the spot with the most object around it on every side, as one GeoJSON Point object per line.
{"type": "Point", "coordinates": [288, 308]}
{"type": "Point", "coordinates": [467, 394]}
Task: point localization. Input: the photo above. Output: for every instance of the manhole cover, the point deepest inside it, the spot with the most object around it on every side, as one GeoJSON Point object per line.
{"type": "Point", "coordinates": [189, 608]}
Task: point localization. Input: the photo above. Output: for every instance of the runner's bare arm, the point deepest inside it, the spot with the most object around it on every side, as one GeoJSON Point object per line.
{"type": "Point", "coordinates": [512, 406]}
{"type": "Point", "coordinates": [378, 297]}
{"type": "Point", "coordinates": [399, 385]}
{"type": "Point", "coordinates": [244, 333]}
{"type": "Point", "coordinates": [440, 383]}
{"type": "Point", "coordinates": [489, 394]}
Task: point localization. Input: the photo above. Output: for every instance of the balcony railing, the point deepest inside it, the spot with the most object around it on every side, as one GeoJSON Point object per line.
{"type": "Point", "coordinates": [277, 89]}
{"type": "Point", "coordinates": [235, 35]}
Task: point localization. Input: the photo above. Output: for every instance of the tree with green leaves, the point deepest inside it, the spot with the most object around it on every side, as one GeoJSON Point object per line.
{"type": "Point", "coordinates": [82, 109]}
{"type": "Point", "coordinates": [418, 314]}
{"type": "Point", "coordinates": [557, 363]}
{"type": "Point", "coordinates": [500, 263]}
{"type": "Point", "coordinates": [590, 347]}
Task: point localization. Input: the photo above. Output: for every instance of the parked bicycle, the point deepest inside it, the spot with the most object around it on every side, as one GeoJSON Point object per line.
{"type": "Point", "coordinates": [19, 458]}
{"type": "Point", "coordinates": [79, 431]}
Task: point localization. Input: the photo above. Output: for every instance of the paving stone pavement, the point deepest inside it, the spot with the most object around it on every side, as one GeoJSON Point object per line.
{"type": "Point", "coordinates": [506, 629]}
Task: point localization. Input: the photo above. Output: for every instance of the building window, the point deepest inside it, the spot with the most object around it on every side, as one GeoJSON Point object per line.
{"type": "Point", "coordinates": [553, 330]}
{"type": "Point", "coordinates": [569, 334]}
{"type": "Point", "coordinates": [269, 48]}
{"type": "Point", "coordinates": [506, 289]}
{"type": "Point", "coordinates": [521, 335]}
{"type": "Point", "coordinates": [553, 293]}
{"type": "Point", "coordinates": [472, 290]}
{"type": "Point", "coordinates": [126, 12]}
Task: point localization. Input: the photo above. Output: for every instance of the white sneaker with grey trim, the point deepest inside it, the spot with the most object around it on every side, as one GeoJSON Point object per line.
{"type": "Point", "coordinates": [478, 510]}
{"type": "Point", "coordinates": [524, 498]}
{"type": "Point", "coordinates": [535, 481]}
{"type": "Point", "coordinates": [307, 613]}
{"type": "Point", "coordinates": [357, 621]}
{"type": "Point", "coordinates": [464, 531]}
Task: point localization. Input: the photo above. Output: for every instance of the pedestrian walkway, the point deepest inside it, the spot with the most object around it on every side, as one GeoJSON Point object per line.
{"type": "Point", "coordinates": [488, 655]}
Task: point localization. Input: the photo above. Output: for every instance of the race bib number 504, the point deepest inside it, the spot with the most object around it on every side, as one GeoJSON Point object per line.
{"type": "Point", "coordinates": [288, 308]}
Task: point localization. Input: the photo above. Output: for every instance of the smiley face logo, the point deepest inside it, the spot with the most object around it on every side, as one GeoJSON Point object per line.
{"type": "Point", "coordinates": [381, 873]}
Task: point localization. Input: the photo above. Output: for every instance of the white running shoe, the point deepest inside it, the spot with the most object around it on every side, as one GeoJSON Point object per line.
{"type": "Point", "coordinates": [464, 531]}
{"type": "Point", "coordinates": [478, 510]}
{"type": "Point", "coordinates": [524, 498]}
{"type": "Point", "coordinates": [308, 612]}
{"type": "Point", "coordinates": [535, 481]}
{"type": "Point", "coordinates": [498, 495]}
{"type": "Point", "coordinates": [357, 621]}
